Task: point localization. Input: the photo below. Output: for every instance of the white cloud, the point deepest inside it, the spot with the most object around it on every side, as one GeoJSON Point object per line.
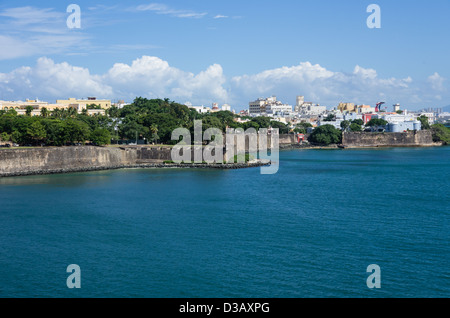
{"type": "Point", "coordinates": [166, 10]}
{"type": "Point", "coordinates": [320, 84]}
{"type": "Point", "coordinates": [147, 76]}
{"type": "Point", "coordinates": [152, 77]}
{"type": "Point", "coordinates": [28, 31]}
{"type": "Point", "coordinates": [437, 82]}
{"type": "Point", "coordinates": [219, 16]}
{"type": "Point", "coordinates": [50, 80]}
{"type": "Point", "coordinates": [30, 17]}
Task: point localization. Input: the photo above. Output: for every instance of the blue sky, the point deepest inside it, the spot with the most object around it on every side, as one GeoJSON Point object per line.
{"type": "Point", "coordinates": [207, 51]}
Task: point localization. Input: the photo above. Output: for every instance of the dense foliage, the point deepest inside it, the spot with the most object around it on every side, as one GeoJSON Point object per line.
{"type": "Point", "coordinates": [153, 120]}
{"type": "Point", "coordinates": [377, 122]}
{"type": "Point", "coordinates": [441, 134]}
{"type": "Point", "coordinates": [326, 135]}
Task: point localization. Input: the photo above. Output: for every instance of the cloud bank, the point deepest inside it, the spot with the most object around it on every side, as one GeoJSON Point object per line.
{"type": "Point", "coordinates": [152, 77]}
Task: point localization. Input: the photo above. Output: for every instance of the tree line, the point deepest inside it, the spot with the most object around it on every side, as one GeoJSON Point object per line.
{"type": "Point", "coordinates": [152, 120]}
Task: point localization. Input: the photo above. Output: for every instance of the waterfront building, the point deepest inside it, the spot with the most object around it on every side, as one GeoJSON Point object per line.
{"type": "Point", "coordinates": [397, 118]}
{"type": "Point", "coordinates": [396, 127]}
{"type": "Point", "coordinates": [83, 103]}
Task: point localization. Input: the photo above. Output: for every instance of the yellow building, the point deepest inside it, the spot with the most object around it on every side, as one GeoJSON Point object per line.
{"type": "Point", "coordinates": [103, 103]}
{"type": "Point", "coordinates": [347, 107]}
{"type": "Point", "coordinates": [21, 107]}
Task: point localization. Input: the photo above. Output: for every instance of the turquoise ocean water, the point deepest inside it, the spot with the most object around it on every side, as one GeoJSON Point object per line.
{"type": "Point", "coordinates": [311, 230]}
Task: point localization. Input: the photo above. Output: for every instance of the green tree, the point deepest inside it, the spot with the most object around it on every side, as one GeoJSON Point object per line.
{"type": "Point", "coordinates": [57, 113]}
{"type": "Point", "coordinates": [29, 110]}
{"type": "Point", "coordinates": [358, 122]}
{"type": "Point", "coordinates": [355, 127]}
{"type": "Point", "coordinates": [326, 135]}
{"type": "Point", "coordinates": [36, 132]}
{"type": "Point", "coordinates": [44, 112]}
{"type": "Point", "coordinates": [377, 122]}
{"type": "Point", "coordinates": [5, 136]}
{"type": "Point", "coordinates": [101, 137]}
{"type": "Point", "coordinates": [330, 117]}
{"type": "Point", "coordinates": [441, 134]}
{"type": "Point", "coordinates": [16, 137]}
{"type": "Point", "coordinates": [345, 124]}
{"type": "Point", "coordinates": [424, 121]}
{"type": "Point", "coordinates": [154, 131]}
{"type": "Point", "coordinates": [263, 122]}
{"type": "Point", "coordinates": [76, 131]}
{"type": "Point", "coordinates": [282, 128]}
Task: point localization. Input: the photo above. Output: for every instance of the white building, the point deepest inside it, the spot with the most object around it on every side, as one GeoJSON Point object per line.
{"type": "Point", "coordinates": [278, 108]}
{"type": "Point", "coordinates": [257, 107]}
{"type": "Point", "coordinates": [269, 106]}
{"type": "Point", "coordinates": [226, 107]}
{"type": "Point", "coordinates": [431, 117]}
{"type": "Point", "coordinates": [398, 118]}
{"type": "Point", "coordinates": [443, 117]}
{"type": "Point", "coordinates": [308, 108]}
{"type": "Point", "coordinates": [200, 109]}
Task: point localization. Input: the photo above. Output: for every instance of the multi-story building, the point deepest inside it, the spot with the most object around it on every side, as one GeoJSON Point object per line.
{"type": "Point", "coordinates": [431, 117]}
{"type": "Point", "coordinates": [310, 109]}
{"type": "Point", "coordinates": [365, 109]}
{"type": "Point", "coordinates": [268, 106]}
{"type": "Point", "coordinates": [278, 108]}
{"type": "Point", "coordinates": [257, 107]}
{"type": "Point", "coordinates": [83, 103]}
{"type": "Point", "coordinates": [346, 107]}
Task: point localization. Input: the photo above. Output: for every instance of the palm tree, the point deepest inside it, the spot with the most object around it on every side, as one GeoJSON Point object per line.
{"type": "Point", "coordinates": [71, 112]}
{"type": "Point", "coordinates": [44, 112]}
{"type": "Point", "coordinates": [154, 131]}
{"type": "Point", "coordinates": [29, 110]}
{"type": "Point", "coordinates": [56, 113]}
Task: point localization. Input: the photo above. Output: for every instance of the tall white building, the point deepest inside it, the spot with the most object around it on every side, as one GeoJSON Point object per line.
{"type": "Point", "coordinates": [268, 106]}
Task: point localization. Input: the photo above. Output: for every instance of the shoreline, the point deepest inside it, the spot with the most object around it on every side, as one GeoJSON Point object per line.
{"type": "Point", "coordinates": [42, 172]}
{"type": "Point", "coordinates": [85, 162]}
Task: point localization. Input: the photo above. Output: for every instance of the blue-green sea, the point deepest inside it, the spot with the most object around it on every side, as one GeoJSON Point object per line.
{"type": "Point", "coordinates": [311, 230]}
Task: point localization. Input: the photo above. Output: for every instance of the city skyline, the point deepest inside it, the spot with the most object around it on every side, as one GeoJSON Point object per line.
{"type": "Point", "coordinates": [204, 52]}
